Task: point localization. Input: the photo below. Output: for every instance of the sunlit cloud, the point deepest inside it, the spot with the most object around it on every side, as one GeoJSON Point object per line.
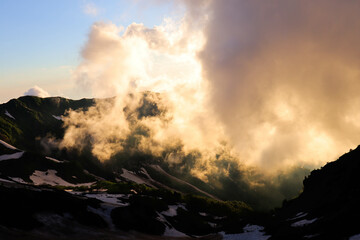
{"type": "Point", "coordinates": [285, 78]}
{"type": "Point", "coordinates": [37, 91]}
{"type": "Point", "coordinates": [123, 63]}
{"type": "Point", "coordinates": [278, 90]}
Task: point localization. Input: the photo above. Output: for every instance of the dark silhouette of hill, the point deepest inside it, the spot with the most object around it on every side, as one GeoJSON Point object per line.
{"type": "Point", "coordinates": [328, 207]}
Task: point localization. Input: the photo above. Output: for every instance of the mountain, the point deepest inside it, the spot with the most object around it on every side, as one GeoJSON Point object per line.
{"type": "Point", "coordinates": [328, 207]}
{"type": "Point", "coordinates": [54, 193]}
{"type": "Point", "coordinates": [117, 199]}
{"type": "Point", "coordinates": [34, 205]}
{"type": "Point", "coordinates": [37, 207]}
{"type": "Point", "coordinates": [28, 121]}
{"type": "Point", "coordinates": [27, 118]}
{"type": "Point", "coordinates": [35, 125]}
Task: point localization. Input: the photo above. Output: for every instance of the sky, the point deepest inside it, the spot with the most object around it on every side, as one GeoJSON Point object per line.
{"type": "Point", "coordinates": [41, 41]}
{"type": "Point", "coordinates": [273, 84]}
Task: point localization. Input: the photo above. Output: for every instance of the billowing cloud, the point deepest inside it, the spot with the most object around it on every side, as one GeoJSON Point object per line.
{"type": "Point", "coordinates": [128, 63]}
{"type": "Point", "coordinates": [285, 79]}
{"type": "Point", "coordinates": [275, 83]}
{"type": "Point", "coordinates": [37, 91]}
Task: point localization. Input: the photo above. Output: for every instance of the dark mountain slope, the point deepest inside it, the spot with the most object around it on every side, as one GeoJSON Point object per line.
{"type": "Point", "coordinates": [25, 122]}
{"type": "Point", "coordinates": [329, 206]}
{"type": "Point", "coordinates": [27, 118]}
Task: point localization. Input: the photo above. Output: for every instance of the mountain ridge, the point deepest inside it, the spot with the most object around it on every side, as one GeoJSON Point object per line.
{"type": "Point", "coordinates": [33, 113]}
{"type": "Point", "coordinates": [145, 188]}
{"type": "Point", "coordinates": [327, 206]}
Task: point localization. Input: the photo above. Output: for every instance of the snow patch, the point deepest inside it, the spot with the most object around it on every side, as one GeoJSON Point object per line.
{"type": "Point", "coordinates": [355, 237]}
{"type": "Point", "coordinates": [49, 177]}
{"type": "Point", "coordinates": [131, 176]}
{"type": "Point", "coordinates": [251, 232]}
{"type": "Point", "coordinates": [53, 159]}
{"type": "Point", "coordinates": [9, 115]}
{"type": "Point", "coordinates": [213, 225]}
{"type": "Point", "coordinates": [109, 198]}
{"type": "Point", "coordinates": [172, 211]}
{"type": "Point", "coordinates": [5, 180]}
{"type": "Point", "coordinates": [203, 214]}
{"type": "Point", "coordinates": [159, 169]}
{"type": "Point", "coordinates": [8, 145]}
{"type": "Point", "coordinates": [172, 232]}
{"type": "Point", "coordinates": [304, 222]}
{"type": "Point", "coordinates": [57, 117]}
{"type": "Point", "coordinates": [19, 180]}
{"type": "Point", "coordinates": [11, 156]}
{"type": "Point", "coordinates": [297, 216]}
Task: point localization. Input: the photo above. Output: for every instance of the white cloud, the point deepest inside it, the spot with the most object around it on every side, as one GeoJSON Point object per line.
{"type": "Point", "coordinates": [37, 91]}
{"type": "Point", "coordinates": [90, 9]}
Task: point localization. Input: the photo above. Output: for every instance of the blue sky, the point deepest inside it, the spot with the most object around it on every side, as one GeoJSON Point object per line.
{"type": "Point", "coordinates": [41, 40]}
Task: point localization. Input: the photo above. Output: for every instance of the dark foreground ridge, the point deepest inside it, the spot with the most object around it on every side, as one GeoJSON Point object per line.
{"type": "Point", "coordinates": [328, 208]}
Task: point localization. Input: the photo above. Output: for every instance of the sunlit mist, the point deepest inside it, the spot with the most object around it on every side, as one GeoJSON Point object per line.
{"type": "Point", "coordinates": [271, 85]}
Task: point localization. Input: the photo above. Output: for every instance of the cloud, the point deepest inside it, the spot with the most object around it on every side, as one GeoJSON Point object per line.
{"type": "Point", "coordinates": [238, 92]}
{"type": "Point", "coordinates": [128, 64]}
{"type": "Point", "coordinates": [278, 82]}
{"type": "Point", "coordinates": [37, 91]}
{"type": "Point", "coordinates": [90, 9]}
{"type": "Point", "coordinates": [285, 79]}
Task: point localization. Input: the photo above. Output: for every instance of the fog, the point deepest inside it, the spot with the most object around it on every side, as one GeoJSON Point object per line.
{"type": "Point", "coordinates": [238, 89]}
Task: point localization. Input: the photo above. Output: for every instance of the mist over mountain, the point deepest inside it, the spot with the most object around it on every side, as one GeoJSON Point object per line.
{"type": "Point", "coordinates": [275, 82]}
{"type": "Point", "coordinates": [40, 126]}
{"type": "Point", "coordinates": [116, 197]}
